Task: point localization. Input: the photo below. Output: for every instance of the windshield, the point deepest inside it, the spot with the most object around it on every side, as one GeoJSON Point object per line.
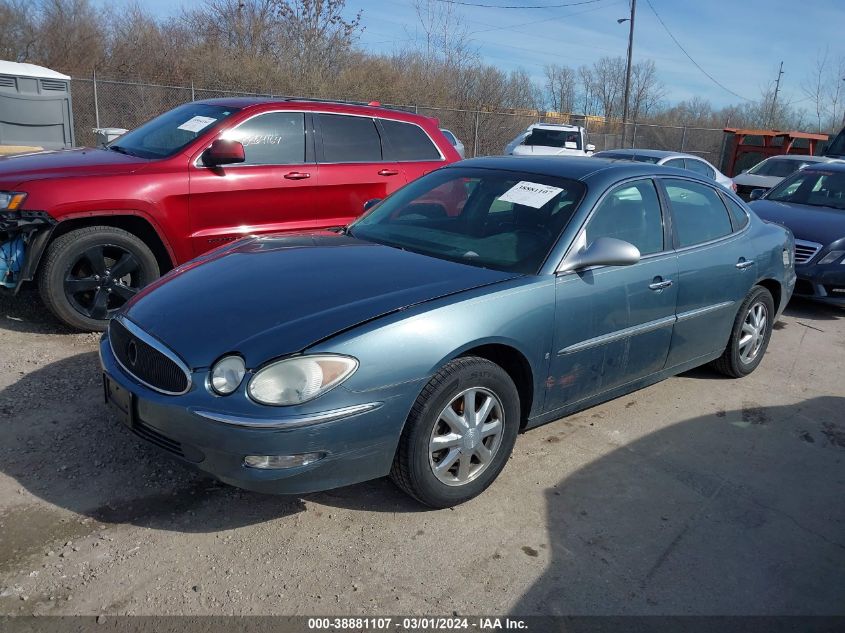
{"type": "Point", "coordinates": [813, 187]}
{"type": "Point", "coordinates": [778, 167]}
{"type": "Point", "coordinates": [570, 139]}
{"type": "Point", "coordinates": [504, 220]}
{"type": "Point", "coordinates": [167, 134]}
{"type": "Point", "coordinates": [837, 146]}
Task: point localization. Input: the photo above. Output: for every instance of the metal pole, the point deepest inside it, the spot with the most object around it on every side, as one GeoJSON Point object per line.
{"type": "Point", "coordinates": [193, 97]}
{"type": "Point", "coordinates": [684, 139]}
{"type": "Point", "coordinates": [628, 70]}
{"type": "Point", "coordinates": [96, 104]}
{"type": "Point", "coordinates": [634, 136]}
{"type": "Point", "coordinates": [775, 98]}
{"type": "Point", "coordinates": [475, 140]}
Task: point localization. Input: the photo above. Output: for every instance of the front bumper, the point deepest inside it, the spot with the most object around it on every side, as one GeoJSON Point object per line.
{"type": "Point", "coordinates": [359, 446]}
{"type": "Point", "coordinates": [35, 227]}
{"type": "Point", "coordinates": [821, 283]}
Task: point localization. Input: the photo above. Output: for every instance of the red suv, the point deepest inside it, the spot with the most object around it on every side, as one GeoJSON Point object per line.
{"type": "Point", "coordinates": [96, 225]}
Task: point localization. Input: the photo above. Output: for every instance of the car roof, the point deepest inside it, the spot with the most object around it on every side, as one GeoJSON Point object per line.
{"type": "Point", "coordinates": [315, 104]}
{"type": "Point", "coordinates": [832, 165]}
{"type": "Point", "coordinates": [654, 153]}
{"type": "Point", "coordinates": [572, 167]}
{"type": "Point", "coordinates": [555, 126]}
{"type": "Point", "coordinates": [804, 157]}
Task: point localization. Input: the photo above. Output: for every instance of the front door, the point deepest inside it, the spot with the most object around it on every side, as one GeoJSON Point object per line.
{"type": "Point", "coordinates": [353, 168]}
{"type": "Point", "coordinates": [272, 190]}
{"type": "Point", "coordinates": [613, 324]}
{"type": "Point", "coordinates": [716, 269]}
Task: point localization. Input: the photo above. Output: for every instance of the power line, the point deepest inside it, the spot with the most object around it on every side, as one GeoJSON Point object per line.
{"type": "Point", "coordinates": [518, 6]}
{"type": "Point", "coordinates": [695, 63]}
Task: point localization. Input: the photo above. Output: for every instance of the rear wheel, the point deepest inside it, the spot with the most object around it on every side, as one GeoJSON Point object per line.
{"type": "Point", "coordinates": [750, 335]}
{"type": "Point", "coordinates": [459, 434]}
{"type": "Point", "coordinates": [90, 273]}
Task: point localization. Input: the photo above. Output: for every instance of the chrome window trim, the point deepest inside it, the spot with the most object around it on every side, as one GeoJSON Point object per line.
{"type": "Point", "coordinates": [603, 339]}
{"type": "Point", "coordinates": [159, 347]}
{"type": "Point", "coordinates": [292, 422]}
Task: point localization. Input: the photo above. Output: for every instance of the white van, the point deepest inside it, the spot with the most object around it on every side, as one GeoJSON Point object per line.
{"type": "Point", "coordinates": [551, 139]}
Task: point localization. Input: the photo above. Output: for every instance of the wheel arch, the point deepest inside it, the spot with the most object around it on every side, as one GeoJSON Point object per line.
{"type": "Point", "coordinates": [515, 364]}
{"type": "Point", "coordinates": [775, 289]}
{"type": "Point", "coordinates": [138, 225]}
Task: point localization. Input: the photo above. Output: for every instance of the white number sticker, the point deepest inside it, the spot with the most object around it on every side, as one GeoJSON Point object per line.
{"type": "Point", "coordinates": [530, 194]}
{"type": "Point", "coordinates": [196, 124]}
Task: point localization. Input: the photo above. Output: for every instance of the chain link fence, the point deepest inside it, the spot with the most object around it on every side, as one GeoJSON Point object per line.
{"type": "Point", "coordinates": [107, 103]}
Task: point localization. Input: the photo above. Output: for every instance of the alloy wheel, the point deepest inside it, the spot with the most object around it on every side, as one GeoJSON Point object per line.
{"type": "Point", "coordinates": [466, 436]}
{"type": "Point", "coordinates": [754, 328]}
{"type": "Point", "coordinates": [101, 280]}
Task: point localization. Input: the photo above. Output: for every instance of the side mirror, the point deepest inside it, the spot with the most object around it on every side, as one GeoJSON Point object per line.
{"type": "Point", "coordinates": [369, 204]}
{"type": "Point", "coordinates": [756, 194]}
{"type": "Point", "coordinates": [591, 147]}
{"type": "Point", "coordinates": [223, 152]}
{"type": "Point", "coordinates": [604, 251]}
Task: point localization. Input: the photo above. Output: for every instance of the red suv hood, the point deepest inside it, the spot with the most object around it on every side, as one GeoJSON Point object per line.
{"type": "Point", "coordinates": [63, 163]}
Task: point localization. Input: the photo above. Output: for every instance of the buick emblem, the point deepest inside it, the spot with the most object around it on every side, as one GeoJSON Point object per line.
{"type": "Point", "coordinates": [132, 353]}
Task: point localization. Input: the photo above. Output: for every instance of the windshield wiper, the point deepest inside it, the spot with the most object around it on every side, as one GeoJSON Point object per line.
{"type": "Point", "coordinates": [121, 150]}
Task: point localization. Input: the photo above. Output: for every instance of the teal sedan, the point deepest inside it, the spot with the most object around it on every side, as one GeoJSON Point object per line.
{"type": "Point", "coordinates": [486, 298]}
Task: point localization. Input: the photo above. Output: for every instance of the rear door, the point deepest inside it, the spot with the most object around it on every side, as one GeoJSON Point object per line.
{"type": "Point", "coordinates": [353, 168]}
{"type": "Point", "coordinates": [410, 147]}
{"type": "Point", "coordinates": [272, 190]}
{"type": "Point", "coordinates": [716, 269]}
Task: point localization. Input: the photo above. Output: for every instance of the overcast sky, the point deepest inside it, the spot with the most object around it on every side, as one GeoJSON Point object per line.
{"type": "Point", "coordinates": [739, 42]}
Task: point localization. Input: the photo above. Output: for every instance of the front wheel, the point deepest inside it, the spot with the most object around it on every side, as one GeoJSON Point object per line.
{"type": "Point", "coordinates": [750, 335]}
{"type": "Point", "coordinates": [459, 434]}
{"type": "Point", "coordinates": [90, 273]}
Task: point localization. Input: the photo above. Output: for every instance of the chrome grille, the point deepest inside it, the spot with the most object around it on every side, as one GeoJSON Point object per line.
{"type": "Point", "coordinates": [805, 251]}
{"type": "Point", "coordinates": [146, 360]}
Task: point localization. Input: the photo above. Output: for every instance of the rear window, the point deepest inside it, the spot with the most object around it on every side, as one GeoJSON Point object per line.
{"type": "Point", "coordinates": [349, 139]}
{"type": "Point", "coordinates": [406, 141]}
{"type": "Point", "coordinates": [569, 139]}
{"type": "Point", "coordinates": [698, 212]}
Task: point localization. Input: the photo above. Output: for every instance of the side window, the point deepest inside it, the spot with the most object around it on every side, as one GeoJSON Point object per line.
{"type": "Point", "coordinates": [675, 162]}
{"type": "Point", "coordinates": [275, 138]}
{"type": "Point", "coordinates": [697, 212]}
{"type": "Point", "coordinates": [349, 139]}
{"type": "Point", "coordinates": [631, 212]}
{"type": "Point", "coordinates": [700, 168]}
{"type": "Point", "coordinates": [738, 214]}
{"type": "Point", "coordinates": [406, 141]}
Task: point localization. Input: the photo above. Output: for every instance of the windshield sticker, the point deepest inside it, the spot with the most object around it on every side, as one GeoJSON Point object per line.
{"type": "Point", "coordinates": [570, 145]}
{"type": "Point", "coordinates": [530, 194]}
{"type": "Point", "coordinates": [196, 123]}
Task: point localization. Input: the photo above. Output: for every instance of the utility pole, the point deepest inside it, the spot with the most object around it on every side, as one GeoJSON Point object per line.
{"type": "Point", "coordinates": [628, 69]}
{"type": "Point", "coordinates": [775, 98]}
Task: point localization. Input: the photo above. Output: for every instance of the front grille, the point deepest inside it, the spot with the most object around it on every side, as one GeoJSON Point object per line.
{"type": "Point", "coordinates": [152, 366]}
{"type": "Point", "coordinates": [805, 251]}
{"type": "Point", "coordinates": [162, 441]}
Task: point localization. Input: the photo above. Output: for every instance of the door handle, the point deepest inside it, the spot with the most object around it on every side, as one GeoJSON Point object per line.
{"type": "Point", "coordinates": [388, 172]}
{"type": "Point", "coordinates": [660, 285]}
{"type": "Point", "coordinates": [297, 175]}
{"type": "Point", "coordinates": [742, 264]}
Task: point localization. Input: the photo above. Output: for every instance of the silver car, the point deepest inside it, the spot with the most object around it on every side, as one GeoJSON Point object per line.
{"type": "Point", "coordinates": [455, 141]}
{"type": "Point", "coordinates": [672, 159]}
{"type": "Point", "coordinates": [769, 172]}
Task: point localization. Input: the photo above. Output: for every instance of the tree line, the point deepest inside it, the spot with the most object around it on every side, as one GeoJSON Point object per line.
{"type": "Point", "coordinates": [312, 48]}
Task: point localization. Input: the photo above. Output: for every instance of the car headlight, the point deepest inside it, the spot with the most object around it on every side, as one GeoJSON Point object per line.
{"type": "Point", "coordinates": [227, 374]}
{"type": "Point", "coordinates": [300, 379]}
{"type": "Point", "coordinates": [831, 257]}
{"type": "Point", "coordinates": [11, 200]}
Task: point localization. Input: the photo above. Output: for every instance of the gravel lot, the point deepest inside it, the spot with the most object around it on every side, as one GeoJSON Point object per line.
{"type": "Point", "coordinates": [699, 495]}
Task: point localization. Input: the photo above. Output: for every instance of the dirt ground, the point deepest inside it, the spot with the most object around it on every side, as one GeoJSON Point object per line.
{"type": "Point", "coordinates": [699, 495]}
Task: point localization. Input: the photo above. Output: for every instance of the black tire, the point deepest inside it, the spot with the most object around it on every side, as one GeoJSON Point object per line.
{"type": "Point", "coordinates": [732, 363]}
{"type": "Point", "coordinates": [80, 278]}
{"type": "Point", "coordinates": [413, 465]}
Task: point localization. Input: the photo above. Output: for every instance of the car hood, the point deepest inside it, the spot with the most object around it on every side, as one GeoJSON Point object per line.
{"type": "Point", "coordinates": [816, 224]}
{"type": "Point", "coordinates": [271, 296]}
{"type": "Point", "coordinates": [15, 170]}
{"type": "Point", "coordinates": [753, 180]}
{"type": "Point", "coordinates": [543, 150]}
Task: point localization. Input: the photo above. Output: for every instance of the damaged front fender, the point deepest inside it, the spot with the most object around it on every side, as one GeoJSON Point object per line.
{"type": "Point", "coordinates": [27, 231]}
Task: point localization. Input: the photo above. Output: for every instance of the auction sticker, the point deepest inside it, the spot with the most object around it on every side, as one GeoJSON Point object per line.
{"type": "Point", "coordinates": [530, 194]}
{"type": "Point", "coordinates": [196, 123]}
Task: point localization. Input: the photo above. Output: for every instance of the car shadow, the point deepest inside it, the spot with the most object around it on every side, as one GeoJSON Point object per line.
{"type": "Point", "coordinates": [723, 514]}
{"type": "Point", "coordinates": [25, 312]}
{"type": "Point", "coordinates": [807, 309]}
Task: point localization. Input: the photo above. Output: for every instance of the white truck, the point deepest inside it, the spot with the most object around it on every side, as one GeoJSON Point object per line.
{"type": "Point", "coordinates": [551, 139]}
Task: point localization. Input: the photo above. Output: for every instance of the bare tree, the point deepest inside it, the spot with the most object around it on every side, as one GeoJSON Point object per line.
{"type": "Point", "coordinates": [560, 87]}
{"type": "Point", "coordinates": [646, 90]}
{"type": "Point", "coordinates": [608, 84]}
